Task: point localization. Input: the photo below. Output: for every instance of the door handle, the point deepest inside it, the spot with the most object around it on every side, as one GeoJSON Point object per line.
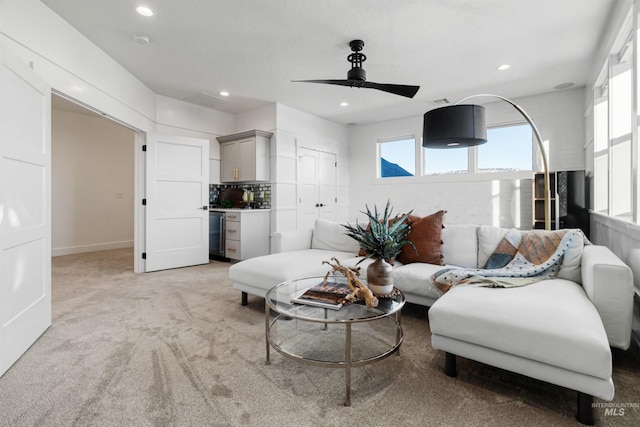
{"type": "Point", "coordinates": [205, 208]}
{"type": "Point", "coordinates": [222, 238]}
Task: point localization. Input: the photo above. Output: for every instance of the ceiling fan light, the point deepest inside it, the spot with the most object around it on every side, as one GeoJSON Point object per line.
{"type": "Point", "coordinates": [454, 126]}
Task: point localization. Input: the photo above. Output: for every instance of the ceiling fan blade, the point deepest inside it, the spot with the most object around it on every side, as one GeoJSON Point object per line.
{"type": "Point", "coordinates": [402, 90]}
{"type": "Point", "coordinates": [331, 82]}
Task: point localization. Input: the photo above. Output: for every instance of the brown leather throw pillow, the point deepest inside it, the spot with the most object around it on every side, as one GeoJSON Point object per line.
{"type": "Point", "coordinates": [426, 235]}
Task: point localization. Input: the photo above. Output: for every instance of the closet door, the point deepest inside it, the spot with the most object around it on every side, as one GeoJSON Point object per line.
{"type": "Point", "coordinates": [317, 186]}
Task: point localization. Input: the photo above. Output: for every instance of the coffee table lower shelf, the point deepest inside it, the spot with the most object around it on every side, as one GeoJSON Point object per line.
{"type": "Point", "coordinates": [330, 343]}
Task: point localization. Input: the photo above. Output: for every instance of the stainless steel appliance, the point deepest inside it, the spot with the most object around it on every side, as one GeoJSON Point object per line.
{"type": "Point", "coordinates": [216, 234]}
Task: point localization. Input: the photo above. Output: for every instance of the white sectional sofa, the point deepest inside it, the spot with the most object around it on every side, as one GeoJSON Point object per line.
{"type": "Point", "coordinates": [558, 330]}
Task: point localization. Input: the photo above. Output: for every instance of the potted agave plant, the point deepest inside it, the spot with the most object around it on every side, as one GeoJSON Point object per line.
{"type": "Point", "coordinates": [382, 239]}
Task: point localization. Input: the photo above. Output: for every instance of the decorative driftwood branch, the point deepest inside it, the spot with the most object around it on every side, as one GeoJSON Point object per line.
{"type": "Point", "coordinates": [358, 289]}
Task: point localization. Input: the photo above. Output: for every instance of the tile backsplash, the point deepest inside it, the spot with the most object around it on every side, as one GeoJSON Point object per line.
{"type": "Point", "coordinates": [261, 194]}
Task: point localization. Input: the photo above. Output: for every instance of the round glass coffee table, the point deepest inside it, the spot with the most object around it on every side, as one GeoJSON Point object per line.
{"type": "Point", "coordinates": [351, 336]}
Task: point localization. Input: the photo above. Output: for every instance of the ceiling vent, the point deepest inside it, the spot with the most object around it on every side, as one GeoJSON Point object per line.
{"type": "Point", "coordinates": [441, 101]}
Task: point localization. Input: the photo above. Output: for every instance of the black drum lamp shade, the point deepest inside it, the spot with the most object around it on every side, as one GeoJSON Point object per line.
{"type": "Point", "coordinates": [454, 126]}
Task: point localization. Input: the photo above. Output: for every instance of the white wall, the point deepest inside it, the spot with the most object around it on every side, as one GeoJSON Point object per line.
{"type": "Point", "coordinates": [296, 129]}
{"type": "Point", "coordinates": [92, 183]}
{"type": "Point", "coordinates": [497, 201]}
{"type": "Point", "coordinates": [75, 67]}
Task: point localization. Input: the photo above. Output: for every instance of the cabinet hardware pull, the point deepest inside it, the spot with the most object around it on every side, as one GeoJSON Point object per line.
{"type": "Point", "coordinates": [231, 250]}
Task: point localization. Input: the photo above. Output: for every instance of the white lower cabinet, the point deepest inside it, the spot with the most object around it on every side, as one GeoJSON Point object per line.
{"type": "Point", "coordinates": [247, 234]}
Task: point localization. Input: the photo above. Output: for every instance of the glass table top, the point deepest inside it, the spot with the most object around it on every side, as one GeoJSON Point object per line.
{"type": "Point", "coordinates": [279, 298]}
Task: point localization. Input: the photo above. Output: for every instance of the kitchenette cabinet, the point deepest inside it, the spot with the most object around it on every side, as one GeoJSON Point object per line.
{"type": "Point", "coordinates": [245, 156]}
{"type": "Point", "coordinates": [246, 233]}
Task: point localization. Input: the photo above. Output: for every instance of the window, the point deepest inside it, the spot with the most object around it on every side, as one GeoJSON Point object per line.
{"type": "Point", "coordinates": [616, 187]}
{"type": "Point", "coordinates": [508, 148]}
{"type": "Point", "coordinates": [397, 157]}
{"type": "Point", "coordinates": [446, 161]}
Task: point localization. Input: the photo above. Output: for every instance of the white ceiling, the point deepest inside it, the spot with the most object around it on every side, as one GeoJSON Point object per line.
{"type": "Point", "coordinates": [253, 48]}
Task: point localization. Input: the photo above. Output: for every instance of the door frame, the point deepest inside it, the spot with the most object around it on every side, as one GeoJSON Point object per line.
{"type": "Point", "coordinates": [139, 184]}
{"type": "Point", "coordinates": [139, 221]}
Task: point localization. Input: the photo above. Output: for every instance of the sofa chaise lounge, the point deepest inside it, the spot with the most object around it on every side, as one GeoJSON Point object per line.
{"type": "Point", "coordinates": [558, 330]}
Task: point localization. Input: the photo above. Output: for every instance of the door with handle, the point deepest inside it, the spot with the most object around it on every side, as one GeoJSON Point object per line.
{"type": "Point", "coordinates": [317, 186]}
{"type": "Point", "coordinates": [177, 217]}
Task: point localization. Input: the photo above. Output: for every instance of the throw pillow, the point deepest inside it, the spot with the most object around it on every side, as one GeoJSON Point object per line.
{"type": "Point", "coordinates": [426, 235]}
{"type": "Point", "coordinates": [330, 236]}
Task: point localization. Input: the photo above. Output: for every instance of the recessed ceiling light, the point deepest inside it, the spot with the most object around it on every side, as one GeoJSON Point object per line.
{"type": "Point", "coordinates": [141, 38]}
{"type": "Point", "coordinates": [504, 67]}
{"type": "Point", "coordinates": [224, 93]}
{"type": "Point", "coordinates": [344, 104]}
{"type": "Point", "coordinates": [144, 11]}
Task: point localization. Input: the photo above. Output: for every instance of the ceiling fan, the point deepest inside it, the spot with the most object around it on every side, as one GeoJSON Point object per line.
{"type": "Point", "coordinates": [357, 76]}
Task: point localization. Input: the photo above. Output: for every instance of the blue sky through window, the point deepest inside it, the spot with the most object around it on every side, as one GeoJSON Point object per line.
{"type": "Point", "coordinates": [507, 148]}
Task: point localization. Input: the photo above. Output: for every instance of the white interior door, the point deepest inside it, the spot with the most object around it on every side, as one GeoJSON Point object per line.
{"type": "Point", "coordinates": [177, 202]}
{"type": "Point", "coordinates": [327, 186]}
{"type": "Point", "coordinates": [317, 186]}
{"type": "Point", "coordinates": [25, 208]}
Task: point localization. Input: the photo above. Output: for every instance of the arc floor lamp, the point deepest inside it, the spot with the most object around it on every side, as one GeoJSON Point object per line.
{"type": "Point", "coordinates": [464, 125]}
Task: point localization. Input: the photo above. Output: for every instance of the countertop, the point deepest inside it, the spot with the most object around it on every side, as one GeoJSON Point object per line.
{"type": "Point", "coordinates": [238, 210]}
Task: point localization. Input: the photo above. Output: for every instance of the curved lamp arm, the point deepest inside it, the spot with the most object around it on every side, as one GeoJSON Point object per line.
{"type": "Point", "coordinates": [547, 205]}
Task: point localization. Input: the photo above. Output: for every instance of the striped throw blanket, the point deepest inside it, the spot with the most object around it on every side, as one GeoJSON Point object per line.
{"type": "Point", "coordinates": [521, 258]}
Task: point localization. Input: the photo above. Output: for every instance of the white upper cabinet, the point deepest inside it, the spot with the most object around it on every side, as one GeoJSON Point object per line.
{"type": "Point", "coordinates": [244, 157]}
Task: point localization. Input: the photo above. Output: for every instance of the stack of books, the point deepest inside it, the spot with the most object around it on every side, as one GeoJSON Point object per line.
{"type": "Point", "coordinates": [327, 295]}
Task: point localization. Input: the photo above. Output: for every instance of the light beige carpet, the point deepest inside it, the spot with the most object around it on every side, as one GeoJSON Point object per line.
{"type": "Point", "coordinates": [175, 348]}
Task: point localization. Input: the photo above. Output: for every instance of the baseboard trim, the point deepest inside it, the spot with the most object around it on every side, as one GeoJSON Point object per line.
{"type": "Point", "coordinates": [91, 248]}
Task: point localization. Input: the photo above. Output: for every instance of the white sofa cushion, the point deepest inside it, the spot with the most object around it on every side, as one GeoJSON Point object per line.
{"type": "Point", "coordinates": [572, 261]}
{"type": "Point", "coordinates": [330, 236]}
{"type": "Point", "coordinates": [551, 321]}
{"type": "Point", "coordinates": [460, 245]}
{"type": "Point", "coordinates": [266, 271]}
{"type": "Point", "coordinates": [415, 278]}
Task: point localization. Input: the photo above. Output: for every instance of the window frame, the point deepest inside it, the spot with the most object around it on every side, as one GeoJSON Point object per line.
{"type": "Point", "coordinates": [379, 143]}
{"type": "Point", "coordinates": [624, 50]}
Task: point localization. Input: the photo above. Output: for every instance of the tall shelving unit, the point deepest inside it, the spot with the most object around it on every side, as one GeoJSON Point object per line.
{"type": "Point", "coordinates": [538, 200]}
{"type": "Point", "coordinates": [568, 199]}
